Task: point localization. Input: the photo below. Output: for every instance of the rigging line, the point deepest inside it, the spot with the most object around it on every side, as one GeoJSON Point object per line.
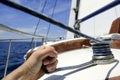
{"type": "Point", "coordinates": [79, 66]}
{"type": "Point", "coordinates": [109, 72]}
{"type": "Point", "coordinates": [46, 18]}
{"type": "Point", "coordinates": [32, 41]}
{"type": "Point", "coordinates": [52, 17]}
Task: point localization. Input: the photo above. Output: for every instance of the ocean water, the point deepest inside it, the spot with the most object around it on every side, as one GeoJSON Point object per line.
{"type": "Point", "coordinates": [17, 52]}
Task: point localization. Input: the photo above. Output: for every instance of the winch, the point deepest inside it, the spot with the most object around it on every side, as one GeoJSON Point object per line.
{"type": "Point", "coordinates": [102, 53]}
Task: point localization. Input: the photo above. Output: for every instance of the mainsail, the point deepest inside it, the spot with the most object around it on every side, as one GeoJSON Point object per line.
{"type": "Point", "coordinates": [95, 17]}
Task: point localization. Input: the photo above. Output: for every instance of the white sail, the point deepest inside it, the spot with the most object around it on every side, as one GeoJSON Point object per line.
{"type": "Point", "coordinates": [97, 25]}
{"type": "Point", "coordinates": [89, 6]}
{"type": "Point", "coordinates": [71, 22]}
{"type": "Point", "coordinates": [100, 24]}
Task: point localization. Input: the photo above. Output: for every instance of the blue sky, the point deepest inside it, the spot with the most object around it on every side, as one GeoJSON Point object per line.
{"type": "Point", "coordinates": [22, 21]}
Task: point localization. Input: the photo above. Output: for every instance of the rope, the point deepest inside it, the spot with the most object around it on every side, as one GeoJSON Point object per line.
{"type": "Point", "coordinates": [49, 23]}
{"type": "Point", "coordinates": [111, 69]}
{"type": "Point", "coordinates": [32, 41]}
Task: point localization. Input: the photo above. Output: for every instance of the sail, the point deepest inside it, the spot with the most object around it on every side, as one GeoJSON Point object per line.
{"type": "Point", "coordinates": [88, 7]}
{"type": "Point", "coordinates": [95, 16]}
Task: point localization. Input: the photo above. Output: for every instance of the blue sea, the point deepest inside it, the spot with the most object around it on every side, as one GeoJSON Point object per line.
{"type": "Point", "coordinates": [17, 52]}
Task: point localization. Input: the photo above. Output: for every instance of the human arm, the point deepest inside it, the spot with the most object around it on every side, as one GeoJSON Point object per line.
{"type": "Point", "coordinates": [32, 68]}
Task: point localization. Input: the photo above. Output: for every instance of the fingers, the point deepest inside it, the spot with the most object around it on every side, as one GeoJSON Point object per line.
{"type": "Point", "coordinates": [45, 51]}
{"type": "Point", "coordinates": [49, 60]}
{"type": "Point", "coordinates": [47, 55]}
{"type": "Point", "coordinates": [51, 67]}
{"type": "Point", "coordinates": [50, 63]}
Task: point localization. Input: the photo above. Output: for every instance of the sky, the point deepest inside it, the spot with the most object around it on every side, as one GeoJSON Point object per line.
{"type": "Point", "coordinates": [95, 26]}
{"type": "Point", "coordinates": [27, 23]}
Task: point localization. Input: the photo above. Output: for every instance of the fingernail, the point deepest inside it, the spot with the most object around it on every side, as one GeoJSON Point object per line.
{"type": "Point", "coordinates": [45, 62]}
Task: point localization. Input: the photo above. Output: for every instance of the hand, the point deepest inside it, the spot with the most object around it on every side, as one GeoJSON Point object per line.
{"type": "Point", "coordinates": [44, 55]}
{"type": "Point", "coordinates": [32, 68]}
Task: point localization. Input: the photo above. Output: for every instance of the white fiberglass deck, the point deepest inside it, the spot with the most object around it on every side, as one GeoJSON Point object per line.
{"type": "Point", "coordinates": [80, 56]}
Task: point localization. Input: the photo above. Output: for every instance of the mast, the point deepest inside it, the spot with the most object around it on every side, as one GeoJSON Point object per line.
{"type": "Point", "coordinates": [77, 21]}
{"type": "Point", "coordinates": [73, 18]}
